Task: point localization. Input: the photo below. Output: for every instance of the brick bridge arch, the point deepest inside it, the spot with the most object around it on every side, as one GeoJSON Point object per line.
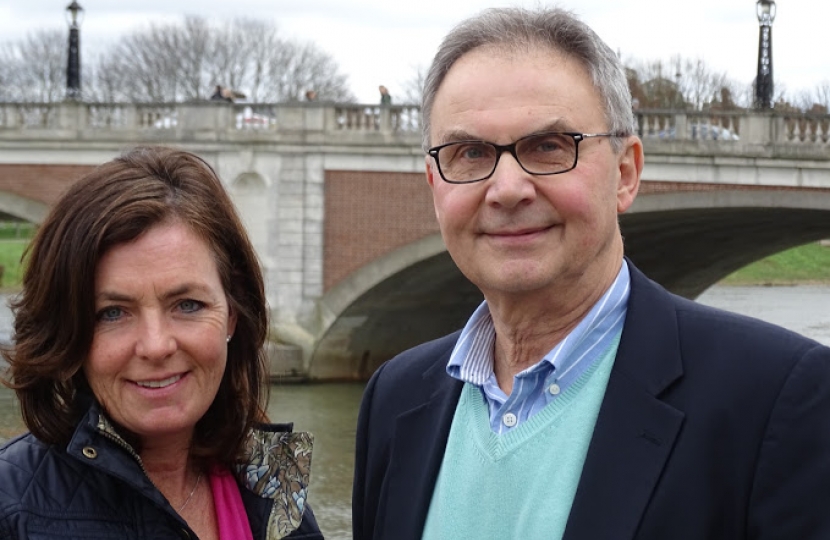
{"type": "Point", "coordinates": [27, 191]}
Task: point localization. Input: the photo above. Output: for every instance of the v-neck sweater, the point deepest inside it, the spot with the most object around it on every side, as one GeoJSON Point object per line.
{"type": "Point", "coordinates": [520, 484]}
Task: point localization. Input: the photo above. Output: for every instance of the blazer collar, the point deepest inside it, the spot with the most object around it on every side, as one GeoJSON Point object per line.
{"type": "Point", "coordinates": [635, 430]}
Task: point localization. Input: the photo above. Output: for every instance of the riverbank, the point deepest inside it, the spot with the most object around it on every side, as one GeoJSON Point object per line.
{"type": "Point", "coordinates": [807, 264]}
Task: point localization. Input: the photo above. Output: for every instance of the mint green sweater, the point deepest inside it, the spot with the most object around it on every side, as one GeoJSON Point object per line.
{"type": "Point", "coordinates": [520, 484]}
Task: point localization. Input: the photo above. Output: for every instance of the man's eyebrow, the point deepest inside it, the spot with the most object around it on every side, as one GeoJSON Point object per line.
{"type": "Point", "coordinates": [456, 135]}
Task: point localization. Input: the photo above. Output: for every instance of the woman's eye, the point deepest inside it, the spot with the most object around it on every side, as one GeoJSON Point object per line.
{"type": "Point", "coordinates": [111, 313]}
{"type": "Point", "coordinates": [189, 306]}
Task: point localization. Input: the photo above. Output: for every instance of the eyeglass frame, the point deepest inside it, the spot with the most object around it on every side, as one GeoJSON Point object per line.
{"type": "Point", "coordinates": [502, 148]}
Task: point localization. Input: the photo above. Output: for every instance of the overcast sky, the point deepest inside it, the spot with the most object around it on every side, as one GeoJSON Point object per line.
{"type": "Point", "coordinates": [383, 42]}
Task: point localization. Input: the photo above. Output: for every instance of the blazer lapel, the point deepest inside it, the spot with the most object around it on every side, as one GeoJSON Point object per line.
{"type": "Point", "coordinates": [635, 430]}
{"type": "Point", "coordinates": [417, 452]}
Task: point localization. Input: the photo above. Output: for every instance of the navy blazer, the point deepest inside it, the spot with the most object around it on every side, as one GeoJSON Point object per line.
{"type": "Point", "coordinates": [714, 426]}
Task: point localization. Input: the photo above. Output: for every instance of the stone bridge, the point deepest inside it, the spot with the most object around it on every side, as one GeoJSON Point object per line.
{"type": "Point", "coordinates": [335, 202]}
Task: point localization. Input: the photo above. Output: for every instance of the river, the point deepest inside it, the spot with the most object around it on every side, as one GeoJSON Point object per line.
{"type": "Point", "coordinates": [330, 410]}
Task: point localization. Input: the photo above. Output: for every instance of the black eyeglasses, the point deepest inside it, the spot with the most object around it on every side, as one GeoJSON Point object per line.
{"type": "Point", "coordinates": [551, 152]}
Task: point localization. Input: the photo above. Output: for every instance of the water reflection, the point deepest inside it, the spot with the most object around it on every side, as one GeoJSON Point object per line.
{"type": "Point", "coordinates": [802, 308]}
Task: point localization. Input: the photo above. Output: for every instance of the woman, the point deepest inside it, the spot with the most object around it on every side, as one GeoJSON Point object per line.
{"type": "Point", "coordinates": [139, 367]}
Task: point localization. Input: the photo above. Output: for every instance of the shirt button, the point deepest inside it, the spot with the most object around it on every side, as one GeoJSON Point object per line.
{"type": "Point", "coordinates": [554, 389]}
{"type": "Point", "coordinates": [509, 419]}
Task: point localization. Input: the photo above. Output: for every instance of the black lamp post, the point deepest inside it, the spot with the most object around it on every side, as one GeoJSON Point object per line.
{"type": "Point", "coordinates": [763, 81]}
{"type": "Point", "coordinates": [73, 64]}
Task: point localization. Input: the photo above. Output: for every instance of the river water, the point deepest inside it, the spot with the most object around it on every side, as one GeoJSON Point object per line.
{"type": "Point", "coordinates": [330, 410]}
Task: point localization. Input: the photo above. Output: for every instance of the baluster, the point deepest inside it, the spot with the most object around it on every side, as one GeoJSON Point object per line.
{"type": "Point", "coordinates": [798, 137]}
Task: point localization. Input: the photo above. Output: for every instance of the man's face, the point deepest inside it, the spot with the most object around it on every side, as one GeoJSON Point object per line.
{"type": "Point", "coordinates": [516, 233]}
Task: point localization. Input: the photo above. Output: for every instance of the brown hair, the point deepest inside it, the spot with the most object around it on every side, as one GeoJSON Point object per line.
{"type": "Point", "coordinates": [55, 313]}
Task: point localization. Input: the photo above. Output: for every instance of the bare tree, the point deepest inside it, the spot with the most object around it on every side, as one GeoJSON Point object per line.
{"type": "Point", "coordinates": [34, 68]}
{"type": "Point", "coordinates": [414, 88]}
{"type": "Point", "coordinates": [186, 61]}
{"type": "Point", "coordinates": [815, 100]}
{"type": "Point", "coordinates": [680, 83]}
{"type": "Point", "coordinates": [296, 67]}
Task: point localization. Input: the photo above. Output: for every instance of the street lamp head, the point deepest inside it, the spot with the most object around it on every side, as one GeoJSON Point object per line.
{"type": "Point", "coordinates": [766, 11]}
{"type": "Point", "coordinates": [75, 14]}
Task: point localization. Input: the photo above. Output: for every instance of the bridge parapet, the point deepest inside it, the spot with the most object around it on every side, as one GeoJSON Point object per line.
{"type": "Point", "coordinates": [225, 120]}
{"type": "Point", "coordinates": [232, 121]}
{"type": "Point", "coordinates": [799, 129]}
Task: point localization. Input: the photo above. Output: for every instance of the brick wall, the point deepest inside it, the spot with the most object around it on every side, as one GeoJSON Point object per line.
{"type": "Point", "coordinates": [369, 214]}
{"type": "Point", "coordinates": [43, 183]}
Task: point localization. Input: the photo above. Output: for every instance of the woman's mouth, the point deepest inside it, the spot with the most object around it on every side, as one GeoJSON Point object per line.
{"type": "Point", "coordinates": [163, 383]}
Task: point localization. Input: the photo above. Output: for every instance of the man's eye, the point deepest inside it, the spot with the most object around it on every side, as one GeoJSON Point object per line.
{"type": "Point", "coordinates": [473, 152]}
{"type": "Point", "coordinates": [549, 144]}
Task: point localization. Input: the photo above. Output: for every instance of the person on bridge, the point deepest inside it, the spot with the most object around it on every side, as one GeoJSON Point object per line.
{"type": "Point", "coordinates": [581, 400]}
{"type": "Point", "coordinates": [140, 370]}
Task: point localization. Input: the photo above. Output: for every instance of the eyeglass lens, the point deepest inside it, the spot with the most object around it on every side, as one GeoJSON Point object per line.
{"type": "Point", "coordinates": [544, 153]}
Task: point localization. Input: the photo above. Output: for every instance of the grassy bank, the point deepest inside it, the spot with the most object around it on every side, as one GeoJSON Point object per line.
{"type": "Point", "coordinates": [14, 237]}
{"type": "Point", "coordinates": [809, 263]}
{"type": "Point", "coordinates": [10, 253]}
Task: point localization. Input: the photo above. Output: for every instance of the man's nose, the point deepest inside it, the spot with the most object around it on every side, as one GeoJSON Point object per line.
{"type": "Point", "coordinates": [510, 184]}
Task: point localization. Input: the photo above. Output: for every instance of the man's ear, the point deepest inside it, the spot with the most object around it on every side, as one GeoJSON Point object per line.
{"type": "Point", "coordinates": [630, 162]}
{"type": "Point", "coordinates": [431, 171]}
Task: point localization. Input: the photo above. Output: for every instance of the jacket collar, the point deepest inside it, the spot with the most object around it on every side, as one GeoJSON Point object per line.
{"type": "Point", "coordinates": [277, 466]}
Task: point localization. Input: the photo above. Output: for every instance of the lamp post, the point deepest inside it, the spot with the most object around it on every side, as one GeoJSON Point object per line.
{"type": "Point", "coordinates": [73, 64]}
{"type": "Point", "coordinates": [765, 10]}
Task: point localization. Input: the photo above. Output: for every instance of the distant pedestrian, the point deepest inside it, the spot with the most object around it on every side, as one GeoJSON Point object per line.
{"type": "Point", "coordinates": [220, 94]}
{"type": "Point", "coordinates": [385, 97]}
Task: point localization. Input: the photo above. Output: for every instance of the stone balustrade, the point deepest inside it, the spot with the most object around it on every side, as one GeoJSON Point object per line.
{"type": "Point", "coordinates": [179, 121]}
{"type": "Point", "coordinates": [210, 116]}
{"type": "Point", "coordinates": [751, 128]}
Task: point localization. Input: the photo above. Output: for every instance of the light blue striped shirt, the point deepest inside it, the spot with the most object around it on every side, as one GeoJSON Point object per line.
{"type": "Point", "coordinates": [472, 358]}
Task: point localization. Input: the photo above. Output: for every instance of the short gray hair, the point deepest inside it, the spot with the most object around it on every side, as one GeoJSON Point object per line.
{"type": "Point", "coordinates": [554, 28]}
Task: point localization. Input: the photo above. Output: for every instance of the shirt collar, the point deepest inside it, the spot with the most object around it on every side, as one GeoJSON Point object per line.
{"type": "Point", "coordinates": [472, 357]}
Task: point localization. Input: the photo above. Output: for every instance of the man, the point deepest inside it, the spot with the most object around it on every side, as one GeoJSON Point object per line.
{"type": "Point", "coordinates": [581, 400]}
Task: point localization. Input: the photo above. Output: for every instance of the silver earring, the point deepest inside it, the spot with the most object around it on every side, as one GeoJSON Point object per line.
{"type": "Point", "coordinates": [229, 339]}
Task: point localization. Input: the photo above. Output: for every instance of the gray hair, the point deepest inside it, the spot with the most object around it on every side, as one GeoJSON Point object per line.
{"type": "Point", "coordinates": [555, 28]}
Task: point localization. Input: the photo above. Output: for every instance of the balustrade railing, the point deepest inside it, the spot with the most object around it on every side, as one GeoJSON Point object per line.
{"type": "Point", "coordinates": [178, 119]}
{"type": "Point", "coordinates": [806, 129]}
{"type": "Point", "coordinates": [696, 126]}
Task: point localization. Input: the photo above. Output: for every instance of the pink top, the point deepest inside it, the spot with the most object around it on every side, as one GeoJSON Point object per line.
{"type": "Point", "coordinates": [230, 512]}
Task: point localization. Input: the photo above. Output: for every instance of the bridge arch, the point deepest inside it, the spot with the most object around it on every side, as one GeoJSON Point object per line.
{"type": "Point", "coordinates": [22, 207]}
{"type": "Point", "coordinates": [708, 234]}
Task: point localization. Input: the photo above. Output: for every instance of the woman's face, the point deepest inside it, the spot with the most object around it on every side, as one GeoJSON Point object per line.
{"type": "Point", "coordinates": [160, 344]}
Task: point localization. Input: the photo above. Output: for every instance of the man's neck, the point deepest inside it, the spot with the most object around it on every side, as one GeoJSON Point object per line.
{"type": "Point", "coordinates": [527, 328]}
